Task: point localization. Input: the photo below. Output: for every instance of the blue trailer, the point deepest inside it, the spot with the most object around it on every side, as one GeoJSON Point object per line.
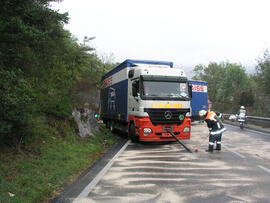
{"type": "Point", "coordinates": [199, 99]}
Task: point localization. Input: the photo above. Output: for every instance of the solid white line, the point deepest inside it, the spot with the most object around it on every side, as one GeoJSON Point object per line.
{"type": "Point", "coordinates": [95, 181]}
{"type": "Point", "coordinates": [238, 154]}
{"type": "Point", "coordinates": [264, 168]}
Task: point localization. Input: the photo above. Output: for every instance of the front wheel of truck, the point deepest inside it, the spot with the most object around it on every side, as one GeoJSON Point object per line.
{"type": "Point", "coordinates": [111, 127]}
{"type": "Point", "coordinates": [131, 133]}
{"type": "Point", "coordinates": [107, 123]}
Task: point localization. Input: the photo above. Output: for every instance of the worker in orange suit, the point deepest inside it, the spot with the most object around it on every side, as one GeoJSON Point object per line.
{"type": "Point", "coordinates": [216, 129]}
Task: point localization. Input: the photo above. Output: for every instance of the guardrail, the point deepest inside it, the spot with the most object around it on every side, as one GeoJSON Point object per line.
{"type": "Point", "coordinates": [258, 118]}
{"type": "Point", "coordinates": [261, 121]}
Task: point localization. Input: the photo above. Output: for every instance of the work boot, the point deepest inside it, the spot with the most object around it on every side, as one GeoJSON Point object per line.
{"type": "Point", "coordinates": [218, 147]}
{"type": "Point", "coordinates": [210, 148]}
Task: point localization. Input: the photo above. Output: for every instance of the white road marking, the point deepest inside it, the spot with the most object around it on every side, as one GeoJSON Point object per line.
{"type": "Point", "coordinates": [264, 168]}
{"type": "Point", "coordinates": [95, 181]}
{"type": "Point", "coordinates": [238, 154]}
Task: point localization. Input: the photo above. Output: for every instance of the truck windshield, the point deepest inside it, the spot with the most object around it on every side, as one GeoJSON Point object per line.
{"type": "Point", "coordinates": [165, 90]}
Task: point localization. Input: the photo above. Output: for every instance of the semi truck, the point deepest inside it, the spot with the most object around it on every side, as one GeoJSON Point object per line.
{"type": "Point", "coordinates": [199, 99]}
{"type": "Point", "coordinates": [147, 100]}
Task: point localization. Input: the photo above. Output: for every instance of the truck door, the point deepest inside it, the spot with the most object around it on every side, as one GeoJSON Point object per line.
{"type": "Point", "coordinates": [134, 97]}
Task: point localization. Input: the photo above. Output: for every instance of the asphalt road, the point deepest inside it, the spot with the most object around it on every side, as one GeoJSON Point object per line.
{"type": "Point", "coordinates": [151, 172]}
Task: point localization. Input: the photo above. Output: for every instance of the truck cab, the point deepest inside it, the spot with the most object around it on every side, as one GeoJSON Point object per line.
{"type": "Point", "coordinates": [159, 99]}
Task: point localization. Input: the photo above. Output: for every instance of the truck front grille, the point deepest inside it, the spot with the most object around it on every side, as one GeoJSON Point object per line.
{"type": "Point", "coordinates": [166, 116]}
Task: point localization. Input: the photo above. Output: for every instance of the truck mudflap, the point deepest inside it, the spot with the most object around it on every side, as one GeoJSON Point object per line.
{"type": "Point", "coordinates": [146, 131]}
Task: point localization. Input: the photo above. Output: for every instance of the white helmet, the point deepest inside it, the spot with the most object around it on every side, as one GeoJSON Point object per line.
{"type": "Point", "coordinates": [242, 107]}
{"type": "Point", "coordinates": [202, 113]}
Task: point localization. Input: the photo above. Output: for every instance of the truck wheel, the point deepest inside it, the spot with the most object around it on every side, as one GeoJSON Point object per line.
{"type": "Point", "coordinates": [131, 133]}
{"type": "Point", "coordinates": [107, 124]}
{"type": "Point", "coordinates": [111, 127]}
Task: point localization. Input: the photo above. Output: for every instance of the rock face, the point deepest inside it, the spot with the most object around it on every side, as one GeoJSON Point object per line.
{"type": "Point", "coordinates": [86, 122]}
{"type": "Point", "coordinates": [88, 98]}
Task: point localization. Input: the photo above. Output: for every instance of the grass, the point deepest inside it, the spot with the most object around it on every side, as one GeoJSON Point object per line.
{"type": "Point", "coordinates": [38, 173]}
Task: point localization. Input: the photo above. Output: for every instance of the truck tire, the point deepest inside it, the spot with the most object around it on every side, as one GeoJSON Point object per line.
{"type": "Point", "coordinates": [111, 127]}
{"type": "Point", "coordinates": [131, 134]}
{"type": "Point", "coordinates": [107, 124]}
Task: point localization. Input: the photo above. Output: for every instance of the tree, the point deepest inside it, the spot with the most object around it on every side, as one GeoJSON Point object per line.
{"type": "Point", "coordinates": [16, 98]}
{"type": "Point", "coordinates": [263, 72]}
{"type": "Point", "coordinates": [226, 84]}
{"type": "Point", "coordinates": [212, 74]}
{"type": "Point", "coordinates": [40, 63]}
{"type": "Point", "coordinates": [246, 99]}
{"type": "Point", "coordinates": [262, 80]}
{"type": "Point", "coordinates": [28, 30]}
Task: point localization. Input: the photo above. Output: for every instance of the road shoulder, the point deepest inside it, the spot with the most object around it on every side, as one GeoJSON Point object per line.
{"type": "Point", "coordinates": [73, 190]}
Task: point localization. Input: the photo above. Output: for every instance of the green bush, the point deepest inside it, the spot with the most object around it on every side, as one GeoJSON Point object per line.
{"type": "Point", "coordinates": [16, 97]}
{"type": "Point", "coordinates": [56, 106]}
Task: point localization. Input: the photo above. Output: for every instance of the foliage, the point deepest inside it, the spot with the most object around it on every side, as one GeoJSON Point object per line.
{"type": "Point", "coordinates": [247, 98]}
{"type": "Point", "coordinates": [15, 104]}
{"type": "Point", "coordinates": [29, 31]}
{"type": "Point", "coordinates": [228, 85]}
{"type": "Point", "coordinates": [38, 173]}
{"type": "Point", "coordinates": [41, 65]}
{"type": "Point", "coordinates": [262, 79]}
{"type": "Point", "coordinates": [263, 72]}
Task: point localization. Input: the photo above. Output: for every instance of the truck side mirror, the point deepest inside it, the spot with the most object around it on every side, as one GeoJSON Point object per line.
{"type": "Point", "coordinates": [134, 89]}
{"type": "Point", "coordinates": [131, 73]}
{"type": "Point", "coordinates": [190, 91]}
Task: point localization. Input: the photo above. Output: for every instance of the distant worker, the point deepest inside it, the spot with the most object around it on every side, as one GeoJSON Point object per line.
{"type": "Point", "coordinates": [216, 129]}
{"type": "Point", "coordinates": [242, 113]}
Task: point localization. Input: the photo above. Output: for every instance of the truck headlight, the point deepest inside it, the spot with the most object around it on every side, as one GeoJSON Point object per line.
{"type": "Point", "coordinates": [186, 129]}
{"type": "Point", "coordinates": [147, 130]}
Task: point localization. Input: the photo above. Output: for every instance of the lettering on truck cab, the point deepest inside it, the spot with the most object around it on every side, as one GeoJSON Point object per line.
{"type": "Point", "coordinates": [170, 106]}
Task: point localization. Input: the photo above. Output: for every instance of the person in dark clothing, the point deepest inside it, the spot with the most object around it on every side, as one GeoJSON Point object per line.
{"type": "Point", "coordinates": [242, 113]}
{"type": "Point", "coordinates": [216, 129]}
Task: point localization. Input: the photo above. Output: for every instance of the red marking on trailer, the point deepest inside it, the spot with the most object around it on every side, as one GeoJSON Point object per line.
{"type": "Point", "coordinates": [107, 82]}
{"type": "Point", "coordinates": [199, 88]}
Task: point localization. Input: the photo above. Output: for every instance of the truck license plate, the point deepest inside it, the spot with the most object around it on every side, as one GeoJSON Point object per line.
{"type": "Point", "coordinates": [166, 129]}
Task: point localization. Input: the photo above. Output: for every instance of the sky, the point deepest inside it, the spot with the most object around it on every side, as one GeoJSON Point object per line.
{"type": "Point", "coordinates": [186, 32]}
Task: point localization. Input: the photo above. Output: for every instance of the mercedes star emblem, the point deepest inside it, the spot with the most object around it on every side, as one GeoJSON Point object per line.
{"type": "Point", "coordinates": [168, 115]}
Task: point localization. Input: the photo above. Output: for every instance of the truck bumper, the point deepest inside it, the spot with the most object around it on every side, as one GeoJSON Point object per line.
{"type": "Point", "coordinates": [159, 132]}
